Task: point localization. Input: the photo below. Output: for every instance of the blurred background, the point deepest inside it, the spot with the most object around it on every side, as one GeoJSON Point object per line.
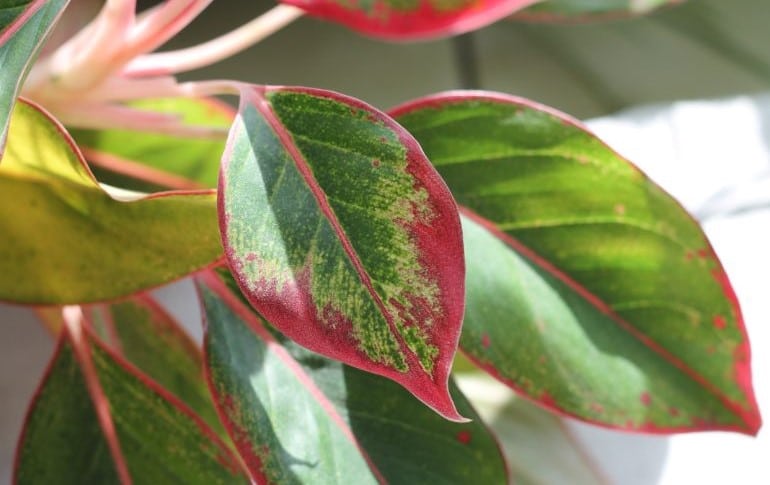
{"type": "Point", "coordinates": [703, 49]}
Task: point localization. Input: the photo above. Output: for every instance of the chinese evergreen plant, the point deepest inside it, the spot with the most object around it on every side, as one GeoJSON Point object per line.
{"type": "Point", "coordinates": [340, 253]}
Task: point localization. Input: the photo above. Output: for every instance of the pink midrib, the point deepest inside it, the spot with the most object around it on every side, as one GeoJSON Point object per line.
{"type": "Point", "coordinates": [603, 307]}
{"type": "Point", "coordinates": [263, 106]}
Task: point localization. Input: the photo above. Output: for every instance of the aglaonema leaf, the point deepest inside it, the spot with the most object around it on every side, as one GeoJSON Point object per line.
{"type": "Point", "coordinates": [581, 10]}
{"type": "Point", "coordinates": [589, 288]}
{"type": "Point", "coordinates": [412, 20]}
{"type": "Point", "coordinates": [142, 332]}
{"type": "Point", "coordinates": [24, 25]}
{"type": "Point", "coordinates": [297, 417]}
{"type": "Point", "coordinates": [343, 236]}
{"type": "Point", "coordinates": [95, 419]}
{"type": "Point", "coordinates": [156, 161]}
{"type": "Point", "coordinates": [68, 241]}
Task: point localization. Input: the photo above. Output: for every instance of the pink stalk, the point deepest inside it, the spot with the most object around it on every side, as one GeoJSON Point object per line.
{"type": "Point", "coordinates": [217, 49]}
{"type": "Point", "coordinates": [161, 23]}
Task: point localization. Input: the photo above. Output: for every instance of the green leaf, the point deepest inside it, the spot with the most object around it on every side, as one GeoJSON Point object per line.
{"type": "Point", "coordinates": [298, 417]}
{"type": "Point", "coordinates": [143, 333]}
{"type": "Point", "coordinates": [343, 236]}
{"type": "Point", "coordinates": [589, 288]}
{"type": "Point", "coordinates": [68, 241]}
{"type": "Point", "coordinates": [412, 19]}
{"type": "Point", "coordinates": [587, 10]}
{"type": "Point", "coordinates": [150, 161]}
{"type": "Point", "coordinates": [24, 25]}
{"type": "Point", "coordinates": [139, 431]}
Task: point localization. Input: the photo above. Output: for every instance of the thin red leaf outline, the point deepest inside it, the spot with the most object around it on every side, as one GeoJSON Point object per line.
{"type": "Point", "coordinates": [81, 346]}
{"type": "Point", "coordinates": [750, 415]}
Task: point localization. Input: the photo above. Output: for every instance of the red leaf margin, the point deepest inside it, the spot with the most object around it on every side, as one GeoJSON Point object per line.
{"type": "Point", "coordinates": [742, 369]}
{"type": "Point", "coordinates": [423, 23]}
{"type": "Point", "coordinates": [450, 275]}
{"type": "Point", "coordinates": [81, 346]}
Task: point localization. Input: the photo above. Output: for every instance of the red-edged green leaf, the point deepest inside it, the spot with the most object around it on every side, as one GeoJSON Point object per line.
{"type": "Point", "coordinates": [68, 241]}
{"type": "Point", "coordinates": [142, 332]}
{"type": "Point", "coordinates": [412, 19]}
{"type": "Point", "coordinates": [589, 288]}
{"type": "Point", "coordinates": [24, 25]}
{"type": "Point", "coordinates": [155, 160]}
{"type": "Point", "coordinates": [95, 419]}
{"type": "Point", "coordinates": [343, 236]}
{"type": "Point", "coordinates": [582, 10]}
{"type": "Point", "coordinates": [298, 417]}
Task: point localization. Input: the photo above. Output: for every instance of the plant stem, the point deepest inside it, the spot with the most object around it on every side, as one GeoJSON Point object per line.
{"type": "Point", "coordinates": [216, 49]}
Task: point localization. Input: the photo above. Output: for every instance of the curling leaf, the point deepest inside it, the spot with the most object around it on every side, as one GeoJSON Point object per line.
{"type": "Point", "coordinates": [589, 288]}
{"type": "Point", "coordinates": [343, 236]}
{"type": "Point", "coordinates": [68, 241]}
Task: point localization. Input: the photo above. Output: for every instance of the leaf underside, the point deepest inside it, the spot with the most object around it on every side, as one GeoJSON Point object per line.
{"type": "Point", "coordinates": [24, 25]}
{"type": "Point", "coordinates": [413, 19]}
{"type": "Point", "coordinates": [343, 236]}
{"type": "Point", "coordinates": [589, 289]}
{"type": "Point", "coordinates": [298, 417]}
{"type": "Point", "coordinates": [68, 241]}
{"type": "Point", "coordinates": [63, 442]}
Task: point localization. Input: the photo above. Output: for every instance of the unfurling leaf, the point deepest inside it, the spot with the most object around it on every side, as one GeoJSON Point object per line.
{"type": "Point", "coordinates": [297, 417]}
{"type": "Point", "coordinates": [66, 240]}
{"type": "Point", "coordinates": [412, 19]}
{"type": "Point", "coordinates": [589, 288]}
{"type": "Point", "coordinates": [343, 236]}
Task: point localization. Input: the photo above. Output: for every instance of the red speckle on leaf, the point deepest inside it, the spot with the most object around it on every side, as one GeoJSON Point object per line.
{"type": "Point", "coordinates": [711, 350]}
{"type": "Point", "coordinates": [464, 437]}
{"type": "Point", "coordinates": [673, 411]}
{"type": "Point", "coordinates": [719, 322]}
{"type": "Point", "coordinates": [645, 398]}
{"type": "Point", "coordinates": [597, 408]}
{"type": "Point", "coordinates": [703, 253]}
{"type": "Point", "coordinates": [541, 360]}
{"type": "Point", "coordinates": [376, 163]}
{"type": "Point", "coordinates": [689, 255]}
{"type": "Point", "coordinates": [251, 257]}
{"type": "Point", "coordinates": [620, 209]}
{"type": "Point", "coordinates": [383, 139]}
{"type": "Point", "coordinates": [485, 341]}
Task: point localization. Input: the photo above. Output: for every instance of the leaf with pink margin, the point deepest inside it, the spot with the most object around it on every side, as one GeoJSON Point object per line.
{"type": "Point", "coordinates": [590, 289]}
{"type": "Point", "coordinates": [72, 241]}
{"type": "Point", "coordinates": [24, 26]}
{"type": "Point", "coordinates": [340, 232]}
{"type": "Point", "coordinates": [412, 20]}
{"type": "Point", "coordinates": [88, 423]}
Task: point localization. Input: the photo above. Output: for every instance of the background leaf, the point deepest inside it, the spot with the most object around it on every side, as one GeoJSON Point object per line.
{"type": "Point", "coordinates": [343, 236]}
{"type": "Point", "coordinates": [412, 19]}
{"type": "Point", "coordinates": [63, 442]}
{"type": "Point", "coordinates": [153, 161]}
{"type": "Point", "coordinates": [301, 418]}
{"type": "Point", "coordinates": [586, 10]}
{"type": "Point", "coordinates": [589, 288]}
{"type": "Point", "coordinates": [24, 25]}
{"type": "Point", "coordinates": [68, 241]}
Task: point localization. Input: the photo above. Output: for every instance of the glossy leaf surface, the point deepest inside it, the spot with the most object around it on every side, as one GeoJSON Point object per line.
{"type": "Point", "coordinates": [344, 237]}
{"type": "Point", "coordinates": [414, 19]}
{"type": "Point", "coordinates": [143, 333]}
{"type": "Point", "coordinates": [151, 161]}
{"type": "Point", "coordinates": [24, 25]}
{"type": "Point", "coordinates": [581, 10]}
{"type": "Point", "coordinates": [156, 440]}
{"type": "Point", "coordinates": [68, 241]}
{"type": "Point", "coordinates": [589, 288]}
{"type": "Point", "coordinates": [298, 417]}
